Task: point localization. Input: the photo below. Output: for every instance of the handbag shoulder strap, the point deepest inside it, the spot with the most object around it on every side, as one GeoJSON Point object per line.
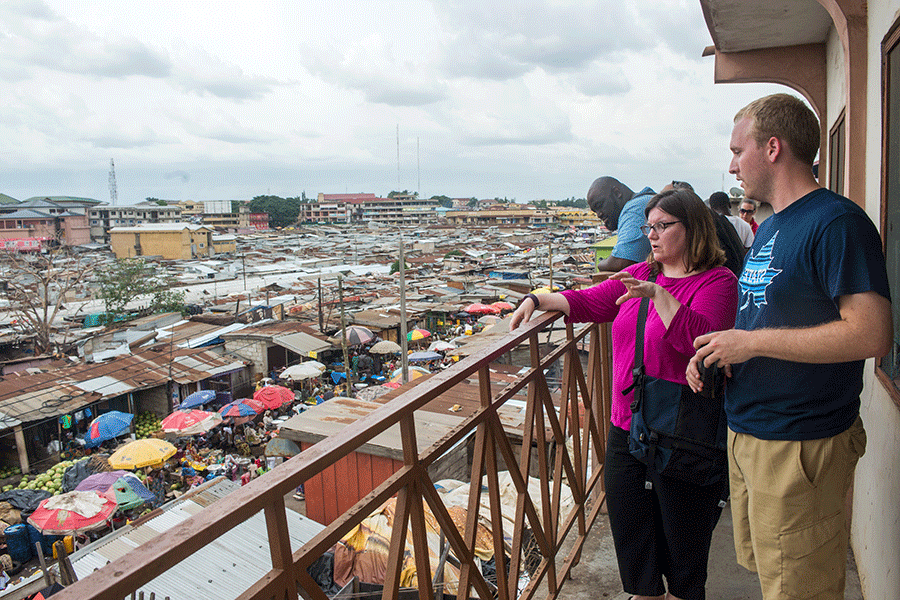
{"type": "Point", "coordinates": [637, 370]}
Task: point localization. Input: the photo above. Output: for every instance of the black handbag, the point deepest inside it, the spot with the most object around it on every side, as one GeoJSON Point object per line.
{"type": "Point", "coordinates": [675, 431]}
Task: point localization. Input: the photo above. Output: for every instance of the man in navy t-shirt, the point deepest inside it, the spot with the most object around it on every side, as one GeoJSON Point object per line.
{"type": "Point", "coordinates": [814, 306]}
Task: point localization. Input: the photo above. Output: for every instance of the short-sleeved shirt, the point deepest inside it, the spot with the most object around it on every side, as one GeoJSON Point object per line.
{"type": "Point", "coordinates": [744, 231]}
{"type": "Point", "coordinates": [804, 258]}
{"type": "Point", "coordinates": [631, 244]}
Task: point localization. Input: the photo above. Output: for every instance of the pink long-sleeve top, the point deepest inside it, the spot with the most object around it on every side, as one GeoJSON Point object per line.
{"type": "Point", "coordinates": [708, 303]}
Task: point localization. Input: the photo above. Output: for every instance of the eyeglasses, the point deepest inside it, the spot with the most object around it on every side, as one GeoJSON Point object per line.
{"type": "Point", "coordinates": [748, 211]}
{"type": "Point", "coordinates": [681, 185]}
{"type": "Point", "coordinates": [658, 227]}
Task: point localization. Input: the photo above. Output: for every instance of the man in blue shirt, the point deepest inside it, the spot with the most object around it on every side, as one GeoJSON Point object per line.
{"type": "Point", "coordinates": [814, 306]}
{"type": "Point", "coordinates": [621, 210]}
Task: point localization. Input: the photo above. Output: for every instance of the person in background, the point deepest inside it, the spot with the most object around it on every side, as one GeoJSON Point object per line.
{"type": "Point", "coordinates": [814, 305]}
{"type": "Point", "coordinates": [662, 535]}
{"type": "Point", "coordinates": [721, 203]}
{"type": "Point", "coordinates": [748, 213]}
{"type": "Point", "coordinates": [622, 211]}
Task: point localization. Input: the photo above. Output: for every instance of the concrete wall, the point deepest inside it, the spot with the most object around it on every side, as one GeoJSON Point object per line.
{"type": "Point", "coordinates": [253, 350]}
{"type": "Point", "coordinates": [875, 534]}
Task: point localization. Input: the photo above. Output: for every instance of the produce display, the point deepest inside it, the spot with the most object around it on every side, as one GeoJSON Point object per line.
{"type": "Point", "coordinates": [50, 480]}
{"type": "Point", "coordinates": [9, 472]}
{"type": "Point", "coordinates": [146, 424]}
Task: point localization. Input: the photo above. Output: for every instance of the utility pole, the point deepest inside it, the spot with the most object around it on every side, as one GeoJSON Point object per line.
{"type": "Point", "coordinates": [404, 342]}
{"type": "Point", "coordinates": [321, 316]}
{"type": "Point", "coordinates": [550, 263]}
{"type": "Point", "coordinates": [244, 268]}
{"type": "Point", "coordinates": [344, 338]}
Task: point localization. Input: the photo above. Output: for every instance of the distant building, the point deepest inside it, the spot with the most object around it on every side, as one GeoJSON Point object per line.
{"type": "Point", "coordinates": [169, 240]}
{"type": "Point", "coordinates": [218, 214]}
{"type": "Point", "coordinates": [403, 209]}
{"type": "Point", "coordinates": [68, 228]}
{"type": "Point", "coordinates": [103, 218]}
{"type": "Point", "coordinates": [259, 221]}
{"type": "Point", "coordinates": [576, 217]}
{"type": "Point", "coordinates": [510, 214]}
{"type": "Point", "coordinates": [224, 243]}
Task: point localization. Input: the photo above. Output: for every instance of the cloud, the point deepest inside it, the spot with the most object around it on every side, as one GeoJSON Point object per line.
{"type": "Point", "coordinates": [378, 69]}
{"type": "Point", "coordinates": [36, 36]}
{"type": "Point", "coordinates": [504, 41]}
{"type": "Point", "coordinates": [184, 176]}
{"type": "Point", "coordinates": [200, 72]}
{"type": "Point", "coordinates": [599, 79]}
{"type": "Point", "coordinates": [507, 113]}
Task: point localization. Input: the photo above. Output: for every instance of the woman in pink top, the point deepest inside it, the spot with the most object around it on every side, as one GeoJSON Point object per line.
{"type": "Point", "coordinates": [664, 532]}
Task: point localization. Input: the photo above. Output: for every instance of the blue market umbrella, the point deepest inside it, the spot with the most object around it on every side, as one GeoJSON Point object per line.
{"type": "Point", "coordinates": [424, 356]}
{"type": "Point", "coordinates": [107, 426]}
{"type": "Point", "coordinates": [198, 398]}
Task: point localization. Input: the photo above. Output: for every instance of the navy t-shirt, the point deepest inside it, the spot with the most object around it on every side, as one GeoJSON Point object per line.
{"type": "Point", "coordinates": [803, 259]}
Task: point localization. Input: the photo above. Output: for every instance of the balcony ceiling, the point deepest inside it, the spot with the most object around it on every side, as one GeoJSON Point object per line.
{"type": "Point", "coordinates": [739, 25]}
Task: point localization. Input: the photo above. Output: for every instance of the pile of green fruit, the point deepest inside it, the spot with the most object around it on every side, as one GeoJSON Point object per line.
{"type": "Point", "coordinates": [49, 481]}
{"type": "Point", "coordinates": [9, 472]}
{"type": "Point", "coordinates": [145, 424]}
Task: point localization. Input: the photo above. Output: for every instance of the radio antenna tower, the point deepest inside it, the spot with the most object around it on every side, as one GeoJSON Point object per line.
{"type": "Point", "coordinates": [113, 193]}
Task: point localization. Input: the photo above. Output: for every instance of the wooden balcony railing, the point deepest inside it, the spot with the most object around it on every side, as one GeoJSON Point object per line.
{"type": "Point", "coordinates": [572, 419]}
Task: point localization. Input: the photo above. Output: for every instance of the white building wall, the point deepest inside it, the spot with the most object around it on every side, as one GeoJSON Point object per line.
{"type": "Point", "coordinates": [875, 534]}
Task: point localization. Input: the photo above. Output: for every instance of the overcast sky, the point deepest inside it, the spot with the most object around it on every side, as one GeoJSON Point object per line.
{"type": "Point", "coordinates": [230, 100]}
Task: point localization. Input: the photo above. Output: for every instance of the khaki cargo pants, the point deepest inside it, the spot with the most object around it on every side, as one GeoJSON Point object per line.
{"type": "Point", "coordinates": [788, 509]}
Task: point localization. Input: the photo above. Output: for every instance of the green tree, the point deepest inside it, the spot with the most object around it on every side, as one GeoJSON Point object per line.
{"type": "Point", "coordinates": [472, 202]}
{"type": "Point", "coordinates": [444, 201]}
{"type": "Point", "coordinates": [283, 212]}
{"type": "Point", "coordinates": [396, 266]}
{"type": "Point", "coordinates": [130, 278]}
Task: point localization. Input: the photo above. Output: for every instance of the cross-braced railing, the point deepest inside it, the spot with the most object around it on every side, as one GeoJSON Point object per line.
{"type": "Point", "coordinates": [564, 432]}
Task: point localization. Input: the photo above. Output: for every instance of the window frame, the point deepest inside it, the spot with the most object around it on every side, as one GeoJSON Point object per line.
{"type": "Point", "coordinates": [837, 152]}
{"type": "Point", "coordinates": [890, 43]}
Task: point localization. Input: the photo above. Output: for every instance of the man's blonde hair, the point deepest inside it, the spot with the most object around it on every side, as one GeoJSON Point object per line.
{"type": "Point", "coordinates": [789, 119]}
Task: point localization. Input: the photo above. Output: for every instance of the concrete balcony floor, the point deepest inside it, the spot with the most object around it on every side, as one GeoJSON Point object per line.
{"type": "Point", "coordinates": [597, 576]}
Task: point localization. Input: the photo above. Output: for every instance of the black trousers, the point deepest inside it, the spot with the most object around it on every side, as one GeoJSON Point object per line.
{"type": "Point", "coordinates": [663, 532]}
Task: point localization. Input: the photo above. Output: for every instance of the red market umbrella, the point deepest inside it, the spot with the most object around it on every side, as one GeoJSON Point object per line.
{"type": "Point", "coordinates": [502, 305]}
{"type": "Point", "coordinates": [72, 512]}
{"type": "Point", "coordinates": [481, 309]}
{"type": "Point", "coordinates": [190, 422]}
{"type": "Point", "coordinates": [273, 396]}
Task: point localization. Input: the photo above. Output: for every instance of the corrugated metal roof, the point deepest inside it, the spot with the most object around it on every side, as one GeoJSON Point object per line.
{"type": "Point", "coordinates": [32, 397]}
{"type": "Point", "coordinates": [223, 569]}
{"type": "Point", "coordinates": [301, 343]}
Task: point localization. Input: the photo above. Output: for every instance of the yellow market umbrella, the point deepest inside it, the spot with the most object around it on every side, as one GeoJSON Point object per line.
{"type": "Point", "coordinates": [142, 453]}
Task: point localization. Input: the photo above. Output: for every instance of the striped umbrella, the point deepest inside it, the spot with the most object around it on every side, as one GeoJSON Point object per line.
{"type": "Point", "coordinates": [245, 407]}
{"type": "Point", "coordinates": [417, 334]}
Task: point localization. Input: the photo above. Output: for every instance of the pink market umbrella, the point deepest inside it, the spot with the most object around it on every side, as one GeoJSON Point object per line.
{"type": "Point", "coordinates": [273, 396]}
{"type": "Point", "coordinates": [73, 512]}
{"type": "Point", "coordinates": [190, 422]}
{"type": "Point", "coordinates": [481, 309]}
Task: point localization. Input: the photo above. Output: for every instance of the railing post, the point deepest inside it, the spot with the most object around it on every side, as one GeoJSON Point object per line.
{"type": "Point", "coordinates": [280, 545]}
